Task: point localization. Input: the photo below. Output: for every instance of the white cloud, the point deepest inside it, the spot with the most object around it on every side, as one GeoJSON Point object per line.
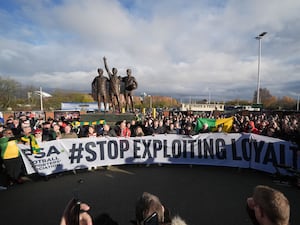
{"type": "Point", "coordinates": [174, 47]}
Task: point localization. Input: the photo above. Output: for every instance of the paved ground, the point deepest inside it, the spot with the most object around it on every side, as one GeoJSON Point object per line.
{"type": "Point", "coordinates": [200, 195]}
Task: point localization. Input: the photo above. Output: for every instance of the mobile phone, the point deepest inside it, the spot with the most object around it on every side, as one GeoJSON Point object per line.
{"type": "Point", "coordinates": [152, 219]}
{"type": "Point", "coordinates": [73, 211]}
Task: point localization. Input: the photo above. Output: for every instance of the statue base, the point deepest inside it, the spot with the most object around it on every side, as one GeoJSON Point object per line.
{"type": "Point", "coordinates": [110, 118]}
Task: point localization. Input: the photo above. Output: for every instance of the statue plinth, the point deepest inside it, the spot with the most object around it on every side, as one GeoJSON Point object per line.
{"type": "Point", "coordinates": [109, 117]}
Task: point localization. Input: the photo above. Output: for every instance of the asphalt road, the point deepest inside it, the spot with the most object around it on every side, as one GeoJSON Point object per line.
{"type": "Point", "coordinates": [199, 194]}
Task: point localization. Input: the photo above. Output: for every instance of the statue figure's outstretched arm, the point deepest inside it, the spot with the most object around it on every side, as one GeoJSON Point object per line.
{"type": "Point", "coordinates": [106, 67]}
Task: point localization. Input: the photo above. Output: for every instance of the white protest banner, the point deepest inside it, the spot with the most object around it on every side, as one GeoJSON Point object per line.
{"type": "Point", "coordinates": [217, 149]}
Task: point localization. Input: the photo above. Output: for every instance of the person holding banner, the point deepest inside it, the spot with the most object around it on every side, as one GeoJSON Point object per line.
{"type": "Point", "coordinates": [10, 154]}
{"type": "Point", "coordinates": [205, 128]}
{"type": "Point", "coordinates": [138, 132]}
{"type": "Point", "coordinates": [268, 206]}
{"type": "Point", "coordinates": [68, 132]}
{"type": "Point", "coordinates": [56, 129]}
{"type": "Point", "coordinates": [91, 131]}
{"type": "Point", "coordinates": [123, 130]}
{"type": "Point", "coordinates": [107, 131]}
{"type": "Point", "coordinates": [29, 139]}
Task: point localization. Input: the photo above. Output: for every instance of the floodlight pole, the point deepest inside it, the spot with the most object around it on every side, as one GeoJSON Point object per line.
{"type": "Point", "coordinates": [298, 103]}
{"type": "Point", "coordinates": [41, 99]}
{"type": "Point", "coordinates": [259, 37]}
{"type": "Point", "coordinates": [150, 101]}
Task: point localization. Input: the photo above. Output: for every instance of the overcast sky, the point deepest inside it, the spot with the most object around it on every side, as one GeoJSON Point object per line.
{"type": "Point", "coordinates": [174, 47]}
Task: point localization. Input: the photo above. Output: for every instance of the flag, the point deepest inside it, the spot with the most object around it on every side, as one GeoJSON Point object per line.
{"type": "Point", "coordinates": [214, 123]}
{"type": "Point", "coordinates": [34, 146]}
{"type": "Point", "coordinates": [82, 123]}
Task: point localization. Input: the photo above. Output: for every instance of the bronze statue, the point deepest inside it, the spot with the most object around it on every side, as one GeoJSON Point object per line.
{"type": "Point", "coordinates": [114, 85]}
{"type": "Point", "coordinates": [130, 85]}
{"type": "Point", "coordinates": [99, 89]}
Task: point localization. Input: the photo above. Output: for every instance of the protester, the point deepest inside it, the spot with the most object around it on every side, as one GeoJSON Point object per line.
{"type": "Point", "coordinates": [1, 130]}
{"type": "Point", "coordinates": [147, 127]}
{"type": "Point", "coordinates": [139, 132]}
{"type": "Point", "coordinates": [68, 132]}
{"type": "Point", "coordinates": [157, 127]}
{"type": "Point", "coordinates": [177, 126]}
{"type": "Point", "coordinates": [57, 131]}
{"type": "Point", "coordinates": [47, 133]}
{"type": "Point", "coordinates": [250, 128]}
{"type": "Point", "coordinates": [91, 131]}
{"type": "Point", "coordinates": [188, 129]}
{"type": "Point", "coordinates": [29, 139]}
{"type": "Point", "coordinates": [133, 126]}
{"type": "Point", "coordinates": [205, 128]}
{"type": "Point", "coordinates": [171, 129]}
{"type": "Point", "coordinates": [123, 130]}
{"type": "Point", "coordinates": [128, 127]}
{"type": "Point", "coordinates": [10, 154]}
{"type": "Point", "coordinates": [38, 135]}
{"type": "Point", "coordinates": [220, 128]}
{"type": "Point", "coordinates": [15, 126]}
{"type": "Point", "coordinates": [268, 206]}
{"type": "Point", "coordinates": [107, 131]}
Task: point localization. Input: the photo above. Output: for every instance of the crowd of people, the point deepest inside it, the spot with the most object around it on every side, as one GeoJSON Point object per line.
{"type": "Point", "coordinates": [266, 206]}
{"type": "Point", "coordinates": [285, 127]}
{"type": "Point", "coordinates": [30, 131]}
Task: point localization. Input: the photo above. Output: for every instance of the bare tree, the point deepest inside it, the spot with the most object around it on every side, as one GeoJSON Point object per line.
{"type": "Point", "coordinates": [265, 95]}
{"type": "Point", "coordinates": [8, 90]}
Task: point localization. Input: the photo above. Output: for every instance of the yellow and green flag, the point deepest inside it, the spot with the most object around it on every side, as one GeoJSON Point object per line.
{"type": "Point", "coordinates": [30, 139]}
{"type": "Point", "coordinates": [214, 123]}
{"type": "Point", "coordinates": [82, 123]}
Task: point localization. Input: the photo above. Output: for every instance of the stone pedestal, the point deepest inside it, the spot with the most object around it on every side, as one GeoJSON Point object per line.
{"type": "Point", "coordinates": [110, 118]}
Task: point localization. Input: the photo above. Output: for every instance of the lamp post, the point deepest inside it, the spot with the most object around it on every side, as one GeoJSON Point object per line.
{"type": "Point", "coordinates": [259, 37]}
{"type": "Point", "coordinates": [41, 99]}
{"type": "Point", "coordinates": [298, 103]}
{"type": "Point", "coordinates": [42, 95]}
{"type": "Point", "coordinates": [150, 101]}
{"type": "Point", "coordinates": [143, 95]}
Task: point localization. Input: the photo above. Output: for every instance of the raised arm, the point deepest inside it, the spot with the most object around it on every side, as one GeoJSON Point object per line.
{"type": "Point", "coordinates": [106, 67]}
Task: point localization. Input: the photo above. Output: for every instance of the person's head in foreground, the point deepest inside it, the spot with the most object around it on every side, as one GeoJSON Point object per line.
{"type": "Point", "coordinates": [268, 206]}
{"type": "Point", "coordinates": [150, 211]}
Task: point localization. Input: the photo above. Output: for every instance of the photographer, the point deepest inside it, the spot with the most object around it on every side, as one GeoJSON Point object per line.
{"type": "Point", "coordinates": [150, 211]}
{"type": "Point", "coordinates": [76, 214]}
